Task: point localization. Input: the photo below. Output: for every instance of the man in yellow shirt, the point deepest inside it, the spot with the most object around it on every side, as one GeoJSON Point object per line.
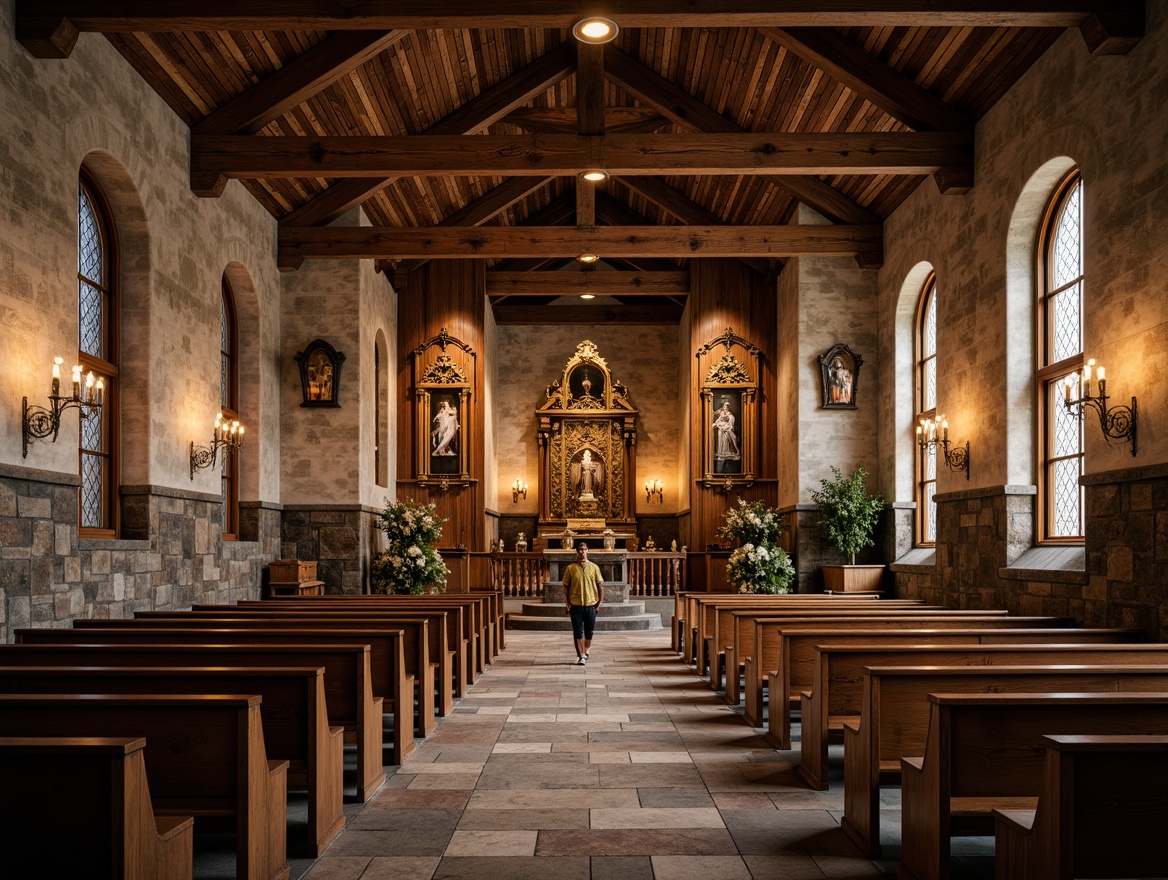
{"type": "Point", "coordinates": [583, 597]}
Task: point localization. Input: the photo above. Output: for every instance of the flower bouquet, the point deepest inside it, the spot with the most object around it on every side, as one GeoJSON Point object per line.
{"type": "Point", "coordinates": [410, 562]}
{"type": "Point", "coordinates": [758, 565]}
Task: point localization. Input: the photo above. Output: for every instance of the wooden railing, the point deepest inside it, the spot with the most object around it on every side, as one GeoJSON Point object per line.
{"type": "Point", "coordinates": [522, 575]}
{"type": "Point", "coordinates": [656, 574]}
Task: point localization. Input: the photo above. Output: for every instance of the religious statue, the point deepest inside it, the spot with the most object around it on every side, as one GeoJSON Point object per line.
{"type": "Point", "coordinates": [445, 430]}
{"type": "Point", "coordinates": [839, 379]}
{"type": "Point", "coordinates": [587, 477]}
{"type": "Point", "coordinates": [586, 384]}
{"type": "Point", "coordinates": [726, 448]}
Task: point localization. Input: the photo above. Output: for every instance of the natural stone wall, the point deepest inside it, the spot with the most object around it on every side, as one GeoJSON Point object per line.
{"type": "Point", "coordinates": [811, 548]}
{"type": "Point", "coordinates": [341, 538]}
{"type": "Point", "coordinates": [48, 577]}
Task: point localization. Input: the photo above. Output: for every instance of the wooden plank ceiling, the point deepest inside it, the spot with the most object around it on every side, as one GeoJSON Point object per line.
{"type": "Point", "coordinates": [892, 71]}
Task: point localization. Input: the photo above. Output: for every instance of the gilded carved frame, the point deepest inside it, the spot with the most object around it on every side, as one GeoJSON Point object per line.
{"type": "Point", "coordinates": [729, 394]}
{"type": "Point", "coordinates": [443, 421]}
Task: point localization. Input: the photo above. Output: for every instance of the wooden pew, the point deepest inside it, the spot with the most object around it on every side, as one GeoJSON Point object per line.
{"type": "Point", "coordinates": [296, 727]}
{"type": "Point", "coordinates": [984, 752]}
{"type": "Point", "coordinates": [80, 807]}
{"type": "Point", "coordinates": [204, 757]}
{"type": "Point", "coordinates": [387, 675]}
{"type": "Point", "coordinates": [347, 684]}
{"type": "Point", "coordinates": [1102, 811]}
{"type": "Point", "coordinates": [413, 633]}
{"type": "Point", "coordinates": [441, 659]}
{"type": "Point", "coordinates": [836, 694]}
{"type": "Point", "coordinates": [894, 717]}
{"type": "Point", "coordinates": [788, 671]}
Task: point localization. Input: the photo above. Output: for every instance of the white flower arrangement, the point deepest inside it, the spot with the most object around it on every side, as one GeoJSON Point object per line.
{"type": "Point", "coordinates": [411, 562]}
{"type": "Point", "coordinates": [758, 565]}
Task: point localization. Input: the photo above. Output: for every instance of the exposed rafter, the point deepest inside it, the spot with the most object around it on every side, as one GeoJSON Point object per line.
{"type": "Point", "coordinates": [666, 313]}
{"type": "Point", "coordinates": [486, 107]}
{"type": "Point", "coordinates": [492, 242]}
{"type": "Point", "coordinates": [562, 120]}
{"type": "Point", "coordinates": [601, 283]}
{"type": "Point", "coordinates": [216, 157]}
{"type": "Point", "coordinates": [49, 28]}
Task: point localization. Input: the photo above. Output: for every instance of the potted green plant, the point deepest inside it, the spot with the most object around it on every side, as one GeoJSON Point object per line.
{"type": "Point", "coordinates": [848, 513]}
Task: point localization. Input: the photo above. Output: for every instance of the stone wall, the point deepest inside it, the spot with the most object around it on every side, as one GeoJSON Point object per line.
{"type": "Point", "coordinates": [340, 538]}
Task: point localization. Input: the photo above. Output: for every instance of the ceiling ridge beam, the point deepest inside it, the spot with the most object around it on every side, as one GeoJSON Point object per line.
{"type": "Point", "coordinates": [602, 283]}
{"type": "Point", "coordinates": [485, 108]}
{"type": "Point", "coordinates": [544, 242]}
{"type": "Point", "coordinates": [308, 74]}
{"type": "Point", "coordinates": [683, 109]}
{"type": "Point", "coordinates": [220, 156]}
{"type": "Point", "coordinates": [869, 77]}
{"type": "Point", "coordinates": [607, 314]}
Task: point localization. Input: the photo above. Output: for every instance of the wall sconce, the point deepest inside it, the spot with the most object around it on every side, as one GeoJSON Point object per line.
{"type": "Point", "coordinates": [1118, 422]}
{"type": "Point", "coordinates": [518, 490]}
{"type": "Point", "coordinates": [227, 436]}
{"type": "Point", "coordinates": [956, 458]}
{"type": "Point", "coordinates": [653, 488]}
{"type": "Point", "coordinates": [38, 422]}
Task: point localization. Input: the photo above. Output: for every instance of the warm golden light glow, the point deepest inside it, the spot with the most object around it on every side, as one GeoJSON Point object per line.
{"type": "Point", "coordinates": [587, 296]}
{"type": "Point", "coordinates": [595, 175]}
{"type": "Point", "coordinates": [588, 258]}
{"type": "Point", "coordinates": [595, 30]}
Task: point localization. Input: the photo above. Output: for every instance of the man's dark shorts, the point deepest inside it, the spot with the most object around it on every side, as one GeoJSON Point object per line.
{"type": "Point", "coordinates": [583, 620]}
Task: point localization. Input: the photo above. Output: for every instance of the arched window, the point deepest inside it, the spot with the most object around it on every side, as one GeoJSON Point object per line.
{"type": "Point", "coordinates": [97, 353]}
{"type": "Point", "coordinates": [1060, 355]}
{"type": "Point", "coordinates": [229, 406]}
{"type": "Point", "coordinates": [926, 408]}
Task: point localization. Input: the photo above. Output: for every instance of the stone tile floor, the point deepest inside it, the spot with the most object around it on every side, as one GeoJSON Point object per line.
{"type": "Point", "coordinates": [630, 768]}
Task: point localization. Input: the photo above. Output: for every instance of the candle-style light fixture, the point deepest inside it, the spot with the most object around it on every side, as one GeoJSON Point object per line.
{"type": "Point", "coordinates": [38, 422]}
{"type": "Point", "coordinates": [653, 490]}
{"type": "Point", "coordinates": [1117, 422]}
{"type": "Point", "coordinates": [932, 433]}
{"type": "Point", "coordinates": [518, 490]}
{"type": "Point", "coordinates": [226, 435]}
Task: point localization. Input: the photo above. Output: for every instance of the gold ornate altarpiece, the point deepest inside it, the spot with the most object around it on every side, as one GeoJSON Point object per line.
{"type": "Point", "coordinates": [587, 447]}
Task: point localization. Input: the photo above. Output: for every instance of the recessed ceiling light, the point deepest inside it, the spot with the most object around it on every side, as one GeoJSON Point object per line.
{"type": "Point", "coordinates": [595, 30]}
{"type": "Point", "coordinates": [595, 175]}
{"type": "Point", "coordinates": [588, 258]}
{"type": "Point", "coordinates": [587, 296]}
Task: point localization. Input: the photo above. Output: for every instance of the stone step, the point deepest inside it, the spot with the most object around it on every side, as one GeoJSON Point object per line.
{"type": "Point", "coordinates": [631, 623]}
{"type": "Point", "coordinates": [608, 609]}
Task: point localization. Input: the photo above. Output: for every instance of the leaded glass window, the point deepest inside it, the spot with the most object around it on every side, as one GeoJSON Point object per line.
{"type": "Point", "coordinates": [96, 353]}
{"type": "Point", "coordinates": [1062, 355]}
{"type": "Point", "coordinates": [926, 408]}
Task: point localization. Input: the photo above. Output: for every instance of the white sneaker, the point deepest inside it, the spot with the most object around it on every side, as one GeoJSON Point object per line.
{"type": "Point", "coordinates": [585, 655]}
{"type": "Point", "coordinates": [583, 661]}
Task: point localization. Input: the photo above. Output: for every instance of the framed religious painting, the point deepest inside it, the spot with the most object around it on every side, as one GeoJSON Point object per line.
{"type": "Point", "coordinates": [839, 374]}
{"type": "Point", "coordinates": [445, 367]}
{"type": "Point", "coordinates": [320, 374]}
{"type": "Point", "coordinates": [729, 393]}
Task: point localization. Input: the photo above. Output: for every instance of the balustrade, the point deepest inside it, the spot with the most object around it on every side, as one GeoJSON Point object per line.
{"type": "Point", "coordinates": [652, 574]}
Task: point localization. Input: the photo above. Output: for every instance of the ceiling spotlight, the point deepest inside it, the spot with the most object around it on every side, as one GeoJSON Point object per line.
{"type": "Point", "coordinates": [595, 30]}
{"type": "Point", "coordinates": [588, 258]}
{"type": "Point", "coordinates": [594, 175]}
{"type": "Point", "coordinates": [588, 296]}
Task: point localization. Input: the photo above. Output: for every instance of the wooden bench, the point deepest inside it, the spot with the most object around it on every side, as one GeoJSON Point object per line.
{"type": "Point", "coordinates": [80, 807]}
{"type": "Point", "coordinates": [1101, 812]}
{"type": "Point", "coordinates": [204, 757]}
{"type": "Point", "coordinates": [893, 719]}
{"type": "Point", "coordinates": [836, 694]}
{"type": "Point", "coordinates": [347, 684]}
{"type": "Point", "coordinates": [414, 634]}
{"type": "Point", "coordinates": [789, 663]}
{"type": "Point", "coordinates": [984, 752]}
{"type": "Point", "coordinates": [387, 675]}
{"type": "Point", "coordinates": [295, 722]}
{"type": "Point", "coordinates": [437, 658]}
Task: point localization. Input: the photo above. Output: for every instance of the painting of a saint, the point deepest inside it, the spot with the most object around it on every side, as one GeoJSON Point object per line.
{"type": "Point", "coordinates": [445, 436]}
{"type": "Point", "coordinates": [727, 437]}
{"type": "Point", "coordinates": [839, 369]}
{"type": "Point", "coordinates": [839, 382]}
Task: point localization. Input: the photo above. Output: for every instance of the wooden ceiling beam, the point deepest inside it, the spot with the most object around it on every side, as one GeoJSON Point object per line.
{"type": "Point", "coordinates": [217, 157]}
{"type": "Point", "coordinates": [887, 88]}
{"type": "Point", "coordinates": [309, 73]}
{"type": "Point", "coordinates": [485, 108]}
{"type": "Point", "coordinates": [297, 244]}
{"type": "Point", "coordinates": [665, 313]}
{"type": "Point", "coordinates": [601, 283]}
{"type": "Point", "coordinates": [563, 120]}
{"type": "Point", "coordinates": [589, 88]}
{"type": "Point", "coordinates": [686, 111]}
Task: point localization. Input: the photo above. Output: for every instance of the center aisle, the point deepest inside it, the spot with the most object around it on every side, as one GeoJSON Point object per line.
{"type": "Point", "coordinates": [629, 768]}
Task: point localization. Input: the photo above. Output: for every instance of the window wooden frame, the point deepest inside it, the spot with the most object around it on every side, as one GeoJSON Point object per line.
{"type": "Point", "coordinates": [105, 367]}
{"type": "Point", "coordinates": [921, 361]}
{"type": "Point", "coordinates": [229, 406]}
{"type": "Point", "coordinates": [1048, 391]}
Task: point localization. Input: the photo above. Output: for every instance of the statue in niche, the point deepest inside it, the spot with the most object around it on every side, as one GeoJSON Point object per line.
{"type": "Point", "coordinates": [587, 477]}
{"type": "Point", "coordinates": [726, 448]}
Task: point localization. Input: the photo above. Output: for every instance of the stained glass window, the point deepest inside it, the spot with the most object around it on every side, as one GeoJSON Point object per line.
{"type": "Point", "coordinates": [1062, 356]}
{"type": "Point", "coordinates": [926, 408]}
{"type": "Point", "coordinates": [96, 353]}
